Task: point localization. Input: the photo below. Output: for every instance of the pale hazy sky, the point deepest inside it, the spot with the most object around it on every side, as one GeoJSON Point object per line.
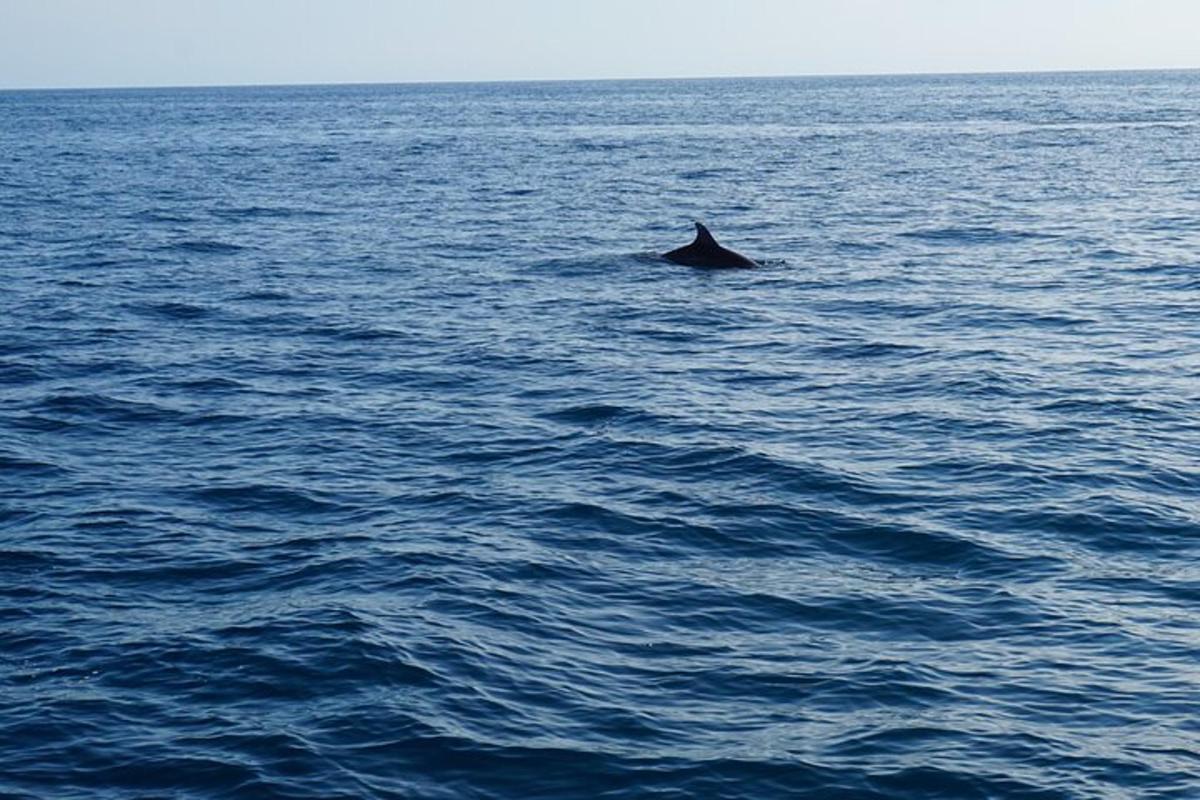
{"type": "Point", "coordinates": [61, 43]}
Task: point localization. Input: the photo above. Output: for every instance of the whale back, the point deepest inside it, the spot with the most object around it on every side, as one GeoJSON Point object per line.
{"type": "Point", "coordinates": [705, 252]}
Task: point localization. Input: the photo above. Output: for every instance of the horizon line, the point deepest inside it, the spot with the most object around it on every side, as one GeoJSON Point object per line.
{"type": "Point", "coordinates": [473, 81]}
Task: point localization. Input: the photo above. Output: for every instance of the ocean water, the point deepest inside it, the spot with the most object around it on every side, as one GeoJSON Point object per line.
{"type": "Point", "coordinates": [355, 443]}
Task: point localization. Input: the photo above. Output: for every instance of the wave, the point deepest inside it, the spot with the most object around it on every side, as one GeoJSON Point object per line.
{"type": "Point", "coordinates": [267, 499]}
{"type": "Point", "coordinates": [206, 247]}
{"type": "Point", "coordinates": [250, 213]}
{"type": "Point", "coordinates": [172, 310]}
{"type": "Point", "coordinates": [974, 235]}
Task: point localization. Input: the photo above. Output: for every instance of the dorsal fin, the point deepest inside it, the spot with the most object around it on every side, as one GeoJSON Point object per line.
{"type": "Point", "coordinates": [703, 237]}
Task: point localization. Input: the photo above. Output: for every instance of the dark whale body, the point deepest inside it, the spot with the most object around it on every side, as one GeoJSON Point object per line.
{"type": "Point", "coordinates": [705, 252]}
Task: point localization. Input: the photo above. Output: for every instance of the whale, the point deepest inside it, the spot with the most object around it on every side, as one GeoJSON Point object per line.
{"type": "Point", "coordinates": [705, 252]}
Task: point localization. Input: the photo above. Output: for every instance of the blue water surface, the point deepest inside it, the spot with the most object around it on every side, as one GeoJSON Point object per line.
{"type": "Point", "coordinates": [354, 442]}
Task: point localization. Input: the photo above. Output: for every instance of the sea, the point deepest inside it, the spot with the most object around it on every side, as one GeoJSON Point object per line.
{"type": "Point", "coordinates": [357, 442]}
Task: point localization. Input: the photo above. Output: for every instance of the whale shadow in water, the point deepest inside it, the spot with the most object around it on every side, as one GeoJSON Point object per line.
{"type": "Point", "coordinates": [705, 252]}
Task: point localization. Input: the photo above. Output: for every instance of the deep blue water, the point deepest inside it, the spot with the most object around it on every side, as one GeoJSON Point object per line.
{"type": "Point", "coordinates": [355, 444]}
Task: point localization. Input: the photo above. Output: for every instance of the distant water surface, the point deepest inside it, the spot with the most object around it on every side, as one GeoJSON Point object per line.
{"type": "Point", "coordinates": [355, 444]}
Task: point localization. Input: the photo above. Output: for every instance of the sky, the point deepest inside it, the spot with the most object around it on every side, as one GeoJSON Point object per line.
{"type": "Point", "coordinates": [87, 43]}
